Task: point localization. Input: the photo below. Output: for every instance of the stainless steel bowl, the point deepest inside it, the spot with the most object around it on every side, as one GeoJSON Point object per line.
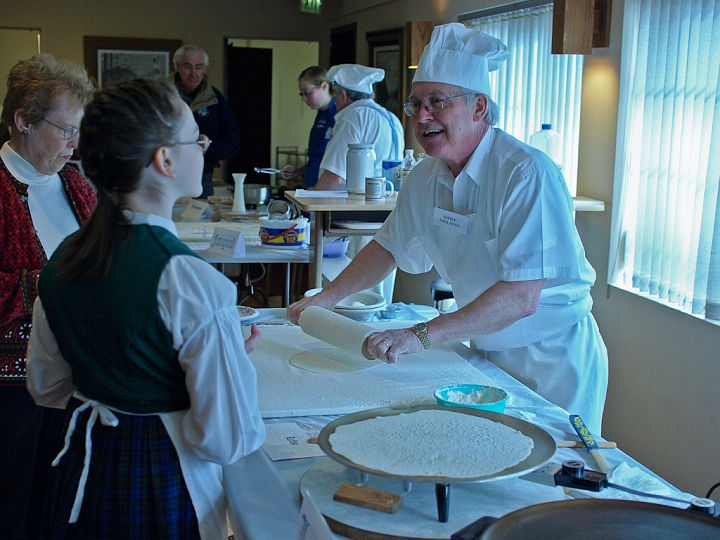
{"type": "Point", "coordinates": [256, 194]}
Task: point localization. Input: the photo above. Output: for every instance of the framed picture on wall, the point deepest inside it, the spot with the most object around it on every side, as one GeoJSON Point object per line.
{"type": "Point", "coordinates": [110, 60]}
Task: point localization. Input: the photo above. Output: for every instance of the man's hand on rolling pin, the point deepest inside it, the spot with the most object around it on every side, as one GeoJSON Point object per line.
{"type": "Point", "coordinates": [294, 310]}
{"type": "Point", "coordinates": [389, 345]}
{"type": "Point", "coordinates": [253, 339]}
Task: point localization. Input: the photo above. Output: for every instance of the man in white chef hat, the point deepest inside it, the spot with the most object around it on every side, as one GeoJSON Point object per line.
{"type": "Point", "coordinates": [494, 217]}
{"type": "Point", "coordinates": [359, 120]}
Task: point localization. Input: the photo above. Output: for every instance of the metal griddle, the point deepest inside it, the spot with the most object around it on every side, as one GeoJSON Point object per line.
{"type": "Point", "coordinates": [543, 450]}
{"type": "Point", "coordinates": [602, 519]}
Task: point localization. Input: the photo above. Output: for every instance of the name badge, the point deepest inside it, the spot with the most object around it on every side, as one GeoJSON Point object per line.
{"type": "Point", "coordinates": [450, 220]}
{"type": "Point", "coordinates": [194, 210]}
{"type": "Point", "coordinates": [227, 243]}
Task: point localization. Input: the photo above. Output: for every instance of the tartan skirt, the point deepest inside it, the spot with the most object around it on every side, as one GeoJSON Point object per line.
{"type": "Point", "coordinates": [135, 487]}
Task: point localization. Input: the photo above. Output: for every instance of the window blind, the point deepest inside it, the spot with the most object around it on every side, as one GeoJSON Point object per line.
{"type": "Point", "coordinates": [535, 87]}
{"type": "Point", "coordinates": [665, 235]}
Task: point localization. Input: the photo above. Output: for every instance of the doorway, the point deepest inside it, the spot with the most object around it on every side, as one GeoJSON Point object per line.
{"type": "Point", "coordinates": [343, 44]}
{"type": "Point", "coordinates": [262, 89]}
{"type": "Point", "coordinates": [249, 78]}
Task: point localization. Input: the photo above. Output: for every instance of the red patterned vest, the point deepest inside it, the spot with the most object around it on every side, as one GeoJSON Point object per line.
{"type": "Point", "coordinates": [21, 259]}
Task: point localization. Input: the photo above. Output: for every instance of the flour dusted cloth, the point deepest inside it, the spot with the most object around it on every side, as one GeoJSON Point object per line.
{"type": "Point", "coordinates": [337, 330]}
{"type": "Point", "coordinates": [284, 390]}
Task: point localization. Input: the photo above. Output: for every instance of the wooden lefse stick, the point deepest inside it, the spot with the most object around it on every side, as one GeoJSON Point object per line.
{"type": "Point", "coordinates": [579, 444]}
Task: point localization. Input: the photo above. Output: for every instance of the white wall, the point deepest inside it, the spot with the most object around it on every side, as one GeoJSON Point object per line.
{"type": "Point", "coordinates": [16, 45]}
{"type": "Point", "coordinates": [205, 23]}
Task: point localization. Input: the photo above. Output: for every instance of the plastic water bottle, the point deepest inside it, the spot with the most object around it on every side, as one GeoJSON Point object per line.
{"type": "Point", "coordinates": [407, 164]}
{"type": "Point", "coordinates": [548, 141]}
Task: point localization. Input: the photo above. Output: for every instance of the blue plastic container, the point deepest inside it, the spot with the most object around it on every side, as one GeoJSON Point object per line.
{"type": "Point", "coordinates": [485, 397]}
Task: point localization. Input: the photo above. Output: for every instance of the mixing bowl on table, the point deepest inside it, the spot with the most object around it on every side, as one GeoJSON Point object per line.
{"type": "Point", "coordinates": [472, 396]}
{"type": "Point", "coordinates": [360, 306]}
{"type": "Point", "coordinates": [335, 248]}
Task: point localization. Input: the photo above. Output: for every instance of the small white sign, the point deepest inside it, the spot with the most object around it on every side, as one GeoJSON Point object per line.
{"type": "Point", "coordinates": [450, 220]}
{"type": "Point", "coordinates": [227, 243]}
{"type": "Point", "coordinates": [312, 524]}
{"type": "Point", "coordinates": [288, 441]}
{"type": "Point", "coordinates": [194, 210]}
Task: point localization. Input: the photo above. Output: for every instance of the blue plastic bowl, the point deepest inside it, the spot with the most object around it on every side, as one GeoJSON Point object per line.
{"type": "Point", "coordinates": [487, 398]}
{"type": "Point", "coordinates": [336, 248]}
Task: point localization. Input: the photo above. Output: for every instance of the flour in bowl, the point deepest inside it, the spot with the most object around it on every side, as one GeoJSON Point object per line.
{"type": "Point", "coordinates": [432, 443]}
{"type": "Point", "coordinates": [472, 398]}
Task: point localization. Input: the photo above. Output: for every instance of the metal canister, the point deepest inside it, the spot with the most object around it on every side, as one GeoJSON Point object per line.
{"type": "Point", "coordinates": [360, 165]}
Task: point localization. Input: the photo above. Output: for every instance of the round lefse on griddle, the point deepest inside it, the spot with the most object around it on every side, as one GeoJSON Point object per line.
{"type": "Point", "coordinates": [543, 445]}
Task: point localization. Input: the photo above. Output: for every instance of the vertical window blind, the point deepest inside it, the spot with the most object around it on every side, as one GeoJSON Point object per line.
{"type": "Point", "coordinates": [665, 234]}
{"type": "Point", "coordinates": [535, 87]}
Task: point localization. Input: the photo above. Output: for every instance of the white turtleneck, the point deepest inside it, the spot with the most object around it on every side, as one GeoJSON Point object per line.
{"type": "Point", "coordinates": [50, 210]}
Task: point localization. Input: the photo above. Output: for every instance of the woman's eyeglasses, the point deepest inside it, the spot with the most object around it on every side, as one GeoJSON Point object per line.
{"type": "Point", "coordinates": [203, 142]}
{"type": "Point", "coordinates": [306, 93]}
{"type": "Point", "coordinates": [67, 133]}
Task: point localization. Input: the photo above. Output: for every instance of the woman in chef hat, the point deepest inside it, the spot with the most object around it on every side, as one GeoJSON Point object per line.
{"type": "Point", "coordinates": [144, 335]}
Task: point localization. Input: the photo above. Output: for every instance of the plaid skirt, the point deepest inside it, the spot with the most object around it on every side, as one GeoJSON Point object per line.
{"type": "Point", "coordinates": [135, 487]}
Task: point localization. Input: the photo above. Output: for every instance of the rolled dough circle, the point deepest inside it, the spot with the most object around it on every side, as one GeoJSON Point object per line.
{"type": "Point", "coordinates": [331, 360]}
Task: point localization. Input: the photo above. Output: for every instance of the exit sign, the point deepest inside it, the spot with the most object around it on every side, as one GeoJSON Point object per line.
{"type": "Point", "coordinates": [311, 6]}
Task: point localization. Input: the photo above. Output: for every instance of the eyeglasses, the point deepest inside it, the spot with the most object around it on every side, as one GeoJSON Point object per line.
{"type": "Point", "coordinates": [67, 133]}
{"type": "Point", "coordinates": [306, 93]}
{"type": "Point", "coordinates": [203, 142]}
{"type": "Point", "coordinates": [431, 104]}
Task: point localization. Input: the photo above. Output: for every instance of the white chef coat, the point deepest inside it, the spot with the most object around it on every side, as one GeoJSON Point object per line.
{"type": "Point", "coordinates": [519, 227]}
{"type": "Point", "coordinates": [363, 121]}
{"type": "Point", "coordinates": [198, 306]}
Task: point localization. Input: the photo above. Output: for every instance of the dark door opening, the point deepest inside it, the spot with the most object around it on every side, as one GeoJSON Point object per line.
{"type": "Point", "coordinates": [249, 92]}
{"type": "Point", "coordinates": [343, 44]}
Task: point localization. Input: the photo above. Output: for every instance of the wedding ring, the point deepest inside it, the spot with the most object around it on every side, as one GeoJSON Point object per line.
{"type": "Point", "coordinates": [386, 343]}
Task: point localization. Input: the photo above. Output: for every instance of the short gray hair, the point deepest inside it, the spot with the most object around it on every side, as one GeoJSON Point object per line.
{"type": "Point", "coordinates": [352, 94]}
{"type": "Point", "coordinates": [492, 115]}
{"type": "Point", "coordinates": [178, 56]}
{"type": "Point", "coordinates": [35, 86]}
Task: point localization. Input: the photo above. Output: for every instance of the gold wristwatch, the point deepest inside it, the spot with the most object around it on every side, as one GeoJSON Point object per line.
{"type": "Point", "coordinates": [421, 331]}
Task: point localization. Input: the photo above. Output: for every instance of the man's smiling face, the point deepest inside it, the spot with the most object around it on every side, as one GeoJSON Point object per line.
{"type": "Point", "coordinates": [453, 133]}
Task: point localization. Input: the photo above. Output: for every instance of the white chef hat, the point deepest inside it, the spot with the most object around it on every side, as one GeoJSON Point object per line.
{"type": "Point", "coordinates": [460, 56]}
{"type": "Point", "coordinates": [356, 77]}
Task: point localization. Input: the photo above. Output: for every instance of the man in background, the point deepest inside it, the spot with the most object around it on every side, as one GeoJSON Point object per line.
{"type": "Point", "coordinates": [359, 120]}
{"type": "Point", "coordinates": [210, 109]}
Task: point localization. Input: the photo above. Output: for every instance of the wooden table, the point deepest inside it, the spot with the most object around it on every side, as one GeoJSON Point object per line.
{"type": "Point", "coordinates": [320, 210]}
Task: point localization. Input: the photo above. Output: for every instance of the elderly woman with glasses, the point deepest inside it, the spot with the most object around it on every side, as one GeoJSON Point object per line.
{"type": "Point", "coordinates": [42, 200]}
{"type": "Point", "coordinates": [141, 338]}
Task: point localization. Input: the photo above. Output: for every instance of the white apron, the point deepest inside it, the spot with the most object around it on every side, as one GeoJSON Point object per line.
{"type": "Point", "coordinates": [552, 351]}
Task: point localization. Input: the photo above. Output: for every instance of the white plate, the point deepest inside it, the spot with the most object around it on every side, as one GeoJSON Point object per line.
{"type": "Point", "coordinates": [365, 225]}
{"type": "Point", "coordinates": [247, 313]}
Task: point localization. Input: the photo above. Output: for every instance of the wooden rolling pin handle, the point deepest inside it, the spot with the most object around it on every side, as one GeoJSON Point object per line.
{"type": "Point", "coordinates": [599, 458]}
